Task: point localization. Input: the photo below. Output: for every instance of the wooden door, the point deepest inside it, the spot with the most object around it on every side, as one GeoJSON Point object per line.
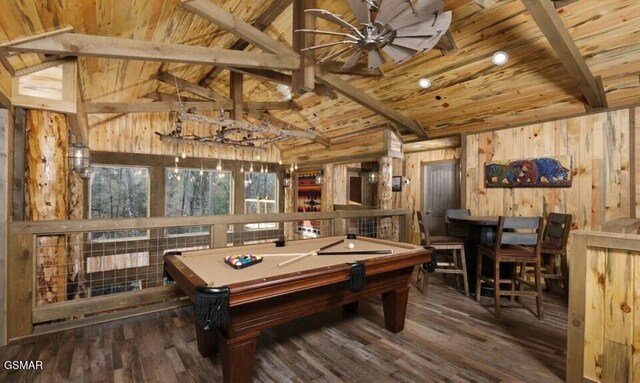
{"type": "Point", "coordinates": [440, 191]}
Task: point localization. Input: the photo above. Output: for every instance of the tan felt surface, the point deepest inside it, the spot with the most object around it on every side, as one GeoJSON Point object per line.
{"type": "Point", "coordinates": [210, 265]}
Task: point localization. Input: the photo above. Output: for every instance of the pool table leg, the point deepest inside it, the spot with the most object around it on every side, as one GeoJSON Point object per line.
{"type": "Point", "coordinates": [207, 341]}
{"type": "Point", "coordinates": [394, 304]}
{"type": "Point", "coordinates": [351, 307]}
{"type": "Point", "coordinates": [238, 358]}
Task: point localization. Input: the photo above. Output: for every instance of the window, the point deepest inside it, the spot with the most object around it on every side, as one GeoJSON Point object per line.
{"type": "Point", "coordinates": [260, 197]}
{"type": "Point", "coordinates": [195, 192]}
{"type": "Point", "coordinates": [119, 192]}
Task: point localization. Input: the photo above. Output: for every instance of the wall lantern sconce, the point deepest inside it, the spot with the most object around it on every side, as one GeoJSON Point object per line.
{"type": "Point", "coordinates": [286, 181]}
{"type": "Point", "coordinates": [320, 178]}
{"type": "Point", "coordinates": [80, 159]}
{"type": "Point", "coordinates": [373, 175]}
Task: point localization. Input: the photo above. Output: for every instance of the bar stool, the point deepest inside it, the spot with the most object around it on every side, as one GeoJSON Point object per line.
{"type": "Point", "coordinates": [455, 264]}
{"type": "Point", "coordinates": [554, 245]}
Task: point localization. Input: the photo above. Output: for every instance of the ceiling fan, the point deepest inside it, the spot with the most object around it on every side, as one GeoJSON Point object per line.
{"type": "Point", "coordinates": [400, 28]}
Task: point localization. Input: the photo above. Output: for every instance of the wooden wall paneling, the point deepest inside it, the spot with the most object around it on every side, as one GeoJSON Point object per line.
{"type": "Point", "coordinates": [594, 312]}
{"type": "Point", "coordinates": [47, 135]}
{"type": "Point", "coordinates": [18, 165]}
{"type": "Point", "coordinates": [5, 87]}
{"type": "Point", "coordinates": [618, 319]}
{"type": "Point", "coordinates": [632, 163]}
{"type": "Point", "coordinates": [5, 211]}
{"type": "Point", "coordinates": [635, 363]}
{"type": "Point", "coordinates": [636, 120]}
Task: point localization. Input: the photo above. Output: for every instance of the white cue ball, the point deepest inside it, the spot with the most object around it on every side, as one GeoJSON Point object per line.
{"type": "Point", "coordinates": [351, 245]}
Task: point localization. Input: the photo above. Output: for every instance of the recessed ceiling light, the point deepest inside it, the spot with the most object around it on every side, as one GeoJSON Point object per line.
{"type": "Point", "coordinates": [500, 58]}
{"type": "Point", "coordinates": [424, 83]}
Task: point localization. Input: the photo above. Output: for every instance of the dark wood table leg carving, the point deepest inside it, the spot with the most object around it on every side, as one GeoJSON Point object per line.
{"type": "Point", "coordinates": [394, 304]}
{"type": "Point", "coordinates": [238, 357]}
{"type": "Point", "coordinates": [207, 341]}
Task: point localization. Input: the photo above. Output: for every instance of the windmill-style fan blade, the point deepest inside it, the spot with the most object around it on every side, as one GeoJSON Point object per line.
{"type": "Point", "coordinates": [389, 10]}
{"type": "Point", "coordinates": [353, 60]}
{"type": "Point", "coordinates": [442, 24]}
{"type": "Point", "coordinates": [361, 10]}
{"type": "Point", "coordinates": [425, 10]}
{"type": "Point", "coordinates": [326, 33]}
{"type": "Point", "coordinates": [398, 53]}
{"type": "Point", "coordinates": [409, 42]}
{"type": "Point", "coordinates": [328, 45]}
{"type": "Point", "coordinates": [375, 58]}
{"type": "Point", "coordinates": [321, 13]}
{"type": "Point", "coordinates": [338, 53]}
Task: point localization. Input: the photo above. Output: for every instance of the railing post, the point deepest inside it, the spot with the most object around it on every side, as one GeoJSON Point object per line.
{"type": "Point", "coordinates": [219, 236]}
{"type": "Point", "coordinates": [20, 274]}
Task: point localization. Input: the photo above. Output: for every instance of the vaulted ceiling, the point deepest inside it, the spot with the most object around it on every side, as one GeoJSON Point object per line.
{"type": "Point", "coordinates": [468, 94]}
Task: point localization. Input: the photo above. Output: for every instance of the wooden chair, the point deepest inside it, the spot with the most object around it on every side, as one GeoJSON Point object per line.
{"type": "Point", "coordinates": [554, 245]}
{"type": "Point", "coordinates": [453, 229]}
{"type": "Point", "coordinates": [518, 248]}
{"type": "Point", "coordinates": [456, 264]}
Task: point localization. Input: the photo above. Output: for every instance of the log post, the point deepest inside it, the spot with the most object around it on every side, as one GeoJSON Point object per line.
{"type": "Point", "coordinates": [290, 195]}
{"type": "Point", "coordinates": [46, 182]}
{"type": "Point", "coordinates": [326, 200]}
{"type": "Point", "coordinates": [385, 230]}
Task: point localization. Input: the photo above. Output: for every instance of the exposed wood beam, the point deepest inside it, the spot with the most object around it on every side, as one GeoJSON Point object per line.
{"type": "Point", "coordinates": [45, 65]}
{"type": "Point", "coordinates": [168, 106]}
{"type": "Point", "coordinates": [370, 102]}
{"type": "Point", "coordinates": [546, 16]}
{"type": "Point", "coordinates": [235, 90]}
{"type": "Point", "coordinates": [77, 121]}
{"type": "Point", "coordinates": [225, 20]}
{"type": "Point", "coordinates": [100, 123]}
{"type": "Point", "coordinates": [281, 124]}
{"type": "Point", "coordinates": [284, 79]}
{"type": "Point", "coordinates": [261, 24]}
{"type": "Point", "coordinates": [70, 44]}
{"type": "Point", "coordinates": [358, 70]}
{"type": "Point", "coordinates": [184, 85]}
{"type": "Point", "coordinates": [304, 79]}
{"type": "Point", "coordinates": [161, 96]}
{"type": "Point", "coordinates": [240, 28]}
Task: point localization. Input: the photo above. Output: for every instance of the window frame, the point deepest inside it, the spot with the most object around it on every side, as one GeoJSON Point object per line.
{"type": "Point", "coordinates": [148, 204]}
{"type": "Point", "coordinates": [169, 170]}
{"type": "Point", "coordinates": [276, 199]}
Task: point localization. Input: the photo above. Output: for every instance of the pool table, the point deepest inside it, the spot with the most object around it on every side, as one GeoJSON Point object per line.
{"type": "Point", "coordinates": [271, 293]}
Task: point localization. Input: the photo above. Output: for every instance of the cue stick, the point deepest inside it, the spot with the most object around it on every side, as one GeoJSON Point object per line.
{"type": "Point", "coordinates": [309, 253]}
{"type": "Point", "coordinates": [356, 252]}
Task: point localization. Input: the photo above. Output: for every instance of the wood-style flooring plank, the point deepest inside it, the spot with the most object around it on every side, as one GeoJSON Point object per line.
{"type": "Point", "coordinates": [447, 338]}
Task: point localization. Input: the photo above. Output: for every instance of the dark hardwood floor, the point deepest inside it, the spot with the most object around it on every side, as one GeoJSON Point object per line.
{"type": "Point", "coordinates": [447, 338]}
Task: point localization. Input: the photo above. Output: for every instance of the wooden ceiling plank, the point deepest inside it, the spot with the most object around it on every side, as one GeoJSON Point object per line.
{"type": "Point", "coordinates": [261, 23]}
{"type": "Point", "coordinates": [281, 124]}
{"type": "Point", "coordinates": [551, 25]}
{"type": "Point", "coordinates": [261, 40]}
{"type": "Point", "coordinates": [185, 85]}
{"type": "Point", "coordinates": [36, 37]}
{"type": "Point", "coordinates": [71, 44]}
{"type": "Point", "coordinates": [358, 70]}
{"type": "Point", "coordinates": [370, 102]}
{"type": "Point", "coordinates": [168, 106]}
{"type": "Point", "coordinates": [161, 96]}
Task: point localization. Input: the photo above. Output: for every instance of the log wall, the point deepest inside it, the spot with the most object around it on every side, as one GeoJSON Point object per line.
{"type": "Point", "coordinates": [601, 147]}
{"type": "Point", "coordinates": [135, 133]}
{"type": "Point", "coordinates": [46, 182]}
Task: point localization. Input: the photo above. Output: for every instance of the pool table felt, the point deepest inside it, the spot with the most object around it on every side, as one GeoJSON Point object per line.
{"type": "Point", "coordinates": [210, 266]}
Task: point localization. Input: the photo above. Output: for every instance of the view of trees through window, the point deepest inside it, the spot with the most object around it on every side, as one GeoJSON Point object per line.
{"type": "Point", "coordinates": [260, 196]}
{"type": "Point", "coordinates": [195, 192]}
{"type": "Point", "coordinates": [119, 192]}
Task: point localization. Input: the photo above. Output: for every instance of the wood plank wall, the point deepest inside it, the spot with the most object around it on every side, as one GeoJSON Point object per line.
{"type": "Point", "coordinates": [604, 308]}
{"type": "Point", "coordinates": [601, 149]}
{"type": "Point", "coordinates": [135, 133]}
{"type": "Point", "coordinates": [410, 197]}
{"type": "Point", "coordinates": [636, 120]}
{"type": "Point", "coordinates": [5, 87]}
{"type": "Point", "coordinates": [4, 211]}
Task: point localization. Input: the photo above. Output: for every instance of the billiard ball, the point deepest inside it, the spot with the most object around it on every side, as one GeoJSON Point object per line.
{"type": "Point", "coordinates": [351, 245]}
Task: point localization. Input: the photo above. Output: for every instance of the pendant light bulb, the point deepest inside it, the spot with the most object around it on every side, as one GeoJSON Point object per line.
{"type": "Point", "coordinates": [251, 167]}
{"type": "Point", "coordinates": [184, 154]}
